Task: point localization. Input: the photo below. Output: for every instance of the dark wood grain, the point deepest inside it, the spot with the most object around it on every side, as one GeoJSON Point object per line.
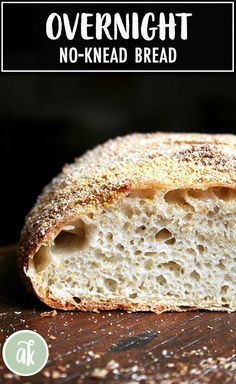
{"type": "Point", "coordinates": [193, 347]}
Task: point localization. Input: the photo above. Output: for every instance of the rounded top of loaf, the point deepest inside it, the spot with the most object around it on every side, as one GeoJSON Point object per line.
{"type": "Point", "coordinates": [139, 161]}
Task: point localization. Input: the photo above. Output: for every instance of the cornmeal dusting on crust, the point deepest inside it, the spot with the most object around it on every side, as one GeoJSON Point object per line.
{"type": "Point", "coordinates": [109, 171]}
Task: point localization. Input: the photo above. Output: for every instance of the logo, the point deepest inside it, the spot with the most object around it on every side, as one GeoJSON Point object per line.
{"type": "Point", "coordinates": [25, 353]}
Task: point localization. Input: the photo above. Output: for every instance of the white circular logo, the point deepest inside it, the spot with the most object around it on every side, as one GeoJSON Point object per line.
{"type": "Point", "coordinates": [25, 353]}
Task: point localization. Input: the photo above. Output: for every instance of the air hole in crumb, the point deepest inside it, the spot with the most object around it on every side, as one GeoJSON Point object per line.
{"type": "Point", "coordinates": [128, 211]}
{"type": "Point", "coordinates": [140, 229]}
{"type": "Point", "coordinates": [188, 286]}
{"type": "Point", "coordinates": [73, 237]}
{"type": "Point", "coordinates": [223, 299]}
{"type": "Point", "coordinates": [110, 284]}
{"type": "Point", "coordinates": [221, 265]}
{"type": "Point", "coordinates": [224, 288]}
{"type": "Point", "coordinates": [191, 251]}
{"type": "Point", "coordinates": [120, 247]}
{"type": "Point", "coordinates": [95, 264]}
{"type": "Point", "coordinates": [224, 193]}
{"type": "Point", "coordinates": [142, 285]}
{"type": "Point", "coordinates": [200, 248]}
{"type": "Point", "coordinates": [109, 236]}
{"type": "Point", "coordinates": [42, 258]}
{"type": "Point", "coordinates": [188, 216]}
{"type": "Point", "coordinates": [200, 194]}
{"type": "Point", "coordinates": [133, 295]}
{"type": "Point", "coordinates": [210, 214]}
{"type": "Point", "coordinates": [170, 241]}
{"type": "Point", "coordinates": [210, 223]}
{"type": "Point", "coordinates": [150, 253]}
{"type": "Point", "coordinates": [148, 265]}
{"type": "Point", "coordinates": [77, 299]}
{"type": "Point", "coordinates": [144, 193]}
{"type": "Point", "coordinates": [172, 266]}
{"type": "Point", "coordinates": [177, 197]}
{"type": "Point", "coordinates": [200, 237]}
{"type": "Point", "coordinates": [161, 280]}
{"type": "Point", "coordinates": [163, 234]}
{"type": "Point", "coordinates": [120, 278]}
{"type": "Point", "coordinates": [126, 226]}
{"type": "Point", "coordinates": [195, 275]}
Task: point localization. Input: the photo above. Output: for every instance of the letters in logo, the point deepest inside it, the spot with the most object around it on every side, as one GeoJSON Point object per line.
{"type": "Point", "coordinates": [24, 355]}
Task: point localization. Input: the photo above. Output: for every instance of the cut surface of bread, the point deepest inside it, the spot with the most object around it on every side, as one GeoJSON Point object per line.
{"type": "Point", "coordinates": [143, 222]}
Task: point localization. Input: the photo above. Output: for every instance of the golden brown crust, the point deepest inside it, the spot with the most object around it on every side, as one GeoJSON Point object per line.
{"type": "Point", "coordinates": [109, 304]}
{"type": "Point", "coordinates": [138, 161]}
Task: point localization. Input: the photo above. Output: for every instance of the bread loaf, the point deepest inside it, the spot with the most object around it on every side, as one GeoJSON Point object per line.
{"type": "Point", "coordinates": [143, 222]}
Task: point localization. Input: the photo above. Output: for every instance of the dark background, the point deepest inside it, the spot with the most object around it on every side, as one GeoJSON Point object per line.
{"type": "Point", "coordinates": [46, 121]}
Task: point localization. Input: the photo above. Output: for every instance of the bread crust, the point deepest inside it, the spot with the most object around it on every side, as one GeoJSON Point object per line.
{"type": "Point", "coordinates": [97, 305]}
{"type": "Point", "coordinates": [110, 171]}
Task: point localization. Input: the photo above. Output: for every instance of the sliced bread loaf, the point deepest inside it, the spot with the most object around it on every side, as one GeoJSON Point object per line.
{"type": "Point", "coordinates": [143, 222]}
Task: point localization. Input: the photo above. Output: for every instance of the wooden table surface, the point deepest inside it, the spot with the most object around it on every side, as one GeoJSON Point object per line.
{"type": "Point", "coordinates": [115, 346]}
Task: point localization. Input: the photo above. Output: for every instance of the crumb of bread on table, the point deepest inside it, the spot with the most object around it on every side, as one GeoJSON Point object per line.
{"type": "Point", "coordinates": [49, 313]}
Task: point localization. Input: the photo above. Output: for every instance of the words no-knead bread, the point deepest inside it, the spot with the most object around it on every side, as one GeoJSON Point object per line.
{"type": "Point", "coordinates": [143, 222]}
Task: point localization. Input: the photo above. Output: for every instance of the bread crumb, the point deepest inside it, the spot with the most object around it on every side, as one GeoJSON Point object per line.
{"type": "Point", "coordinates": [94, 355]}
{"type": "Point", "coordinates": [112, 364]}
{"type": "Point", "coordinates": [49, 313]}
{"type": "Point", "coordinates": [181, 368]}
{"type": "Point", "coordinates": [46, 374]}
{"type": "Point", "coordinates": [58, 375]}
{"type": "Point", "coordinates": [52, 337]}
{"type": "Point", "coordinates": [99, 373]}
{"type": "Point", "coordinates": [9, 376]}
